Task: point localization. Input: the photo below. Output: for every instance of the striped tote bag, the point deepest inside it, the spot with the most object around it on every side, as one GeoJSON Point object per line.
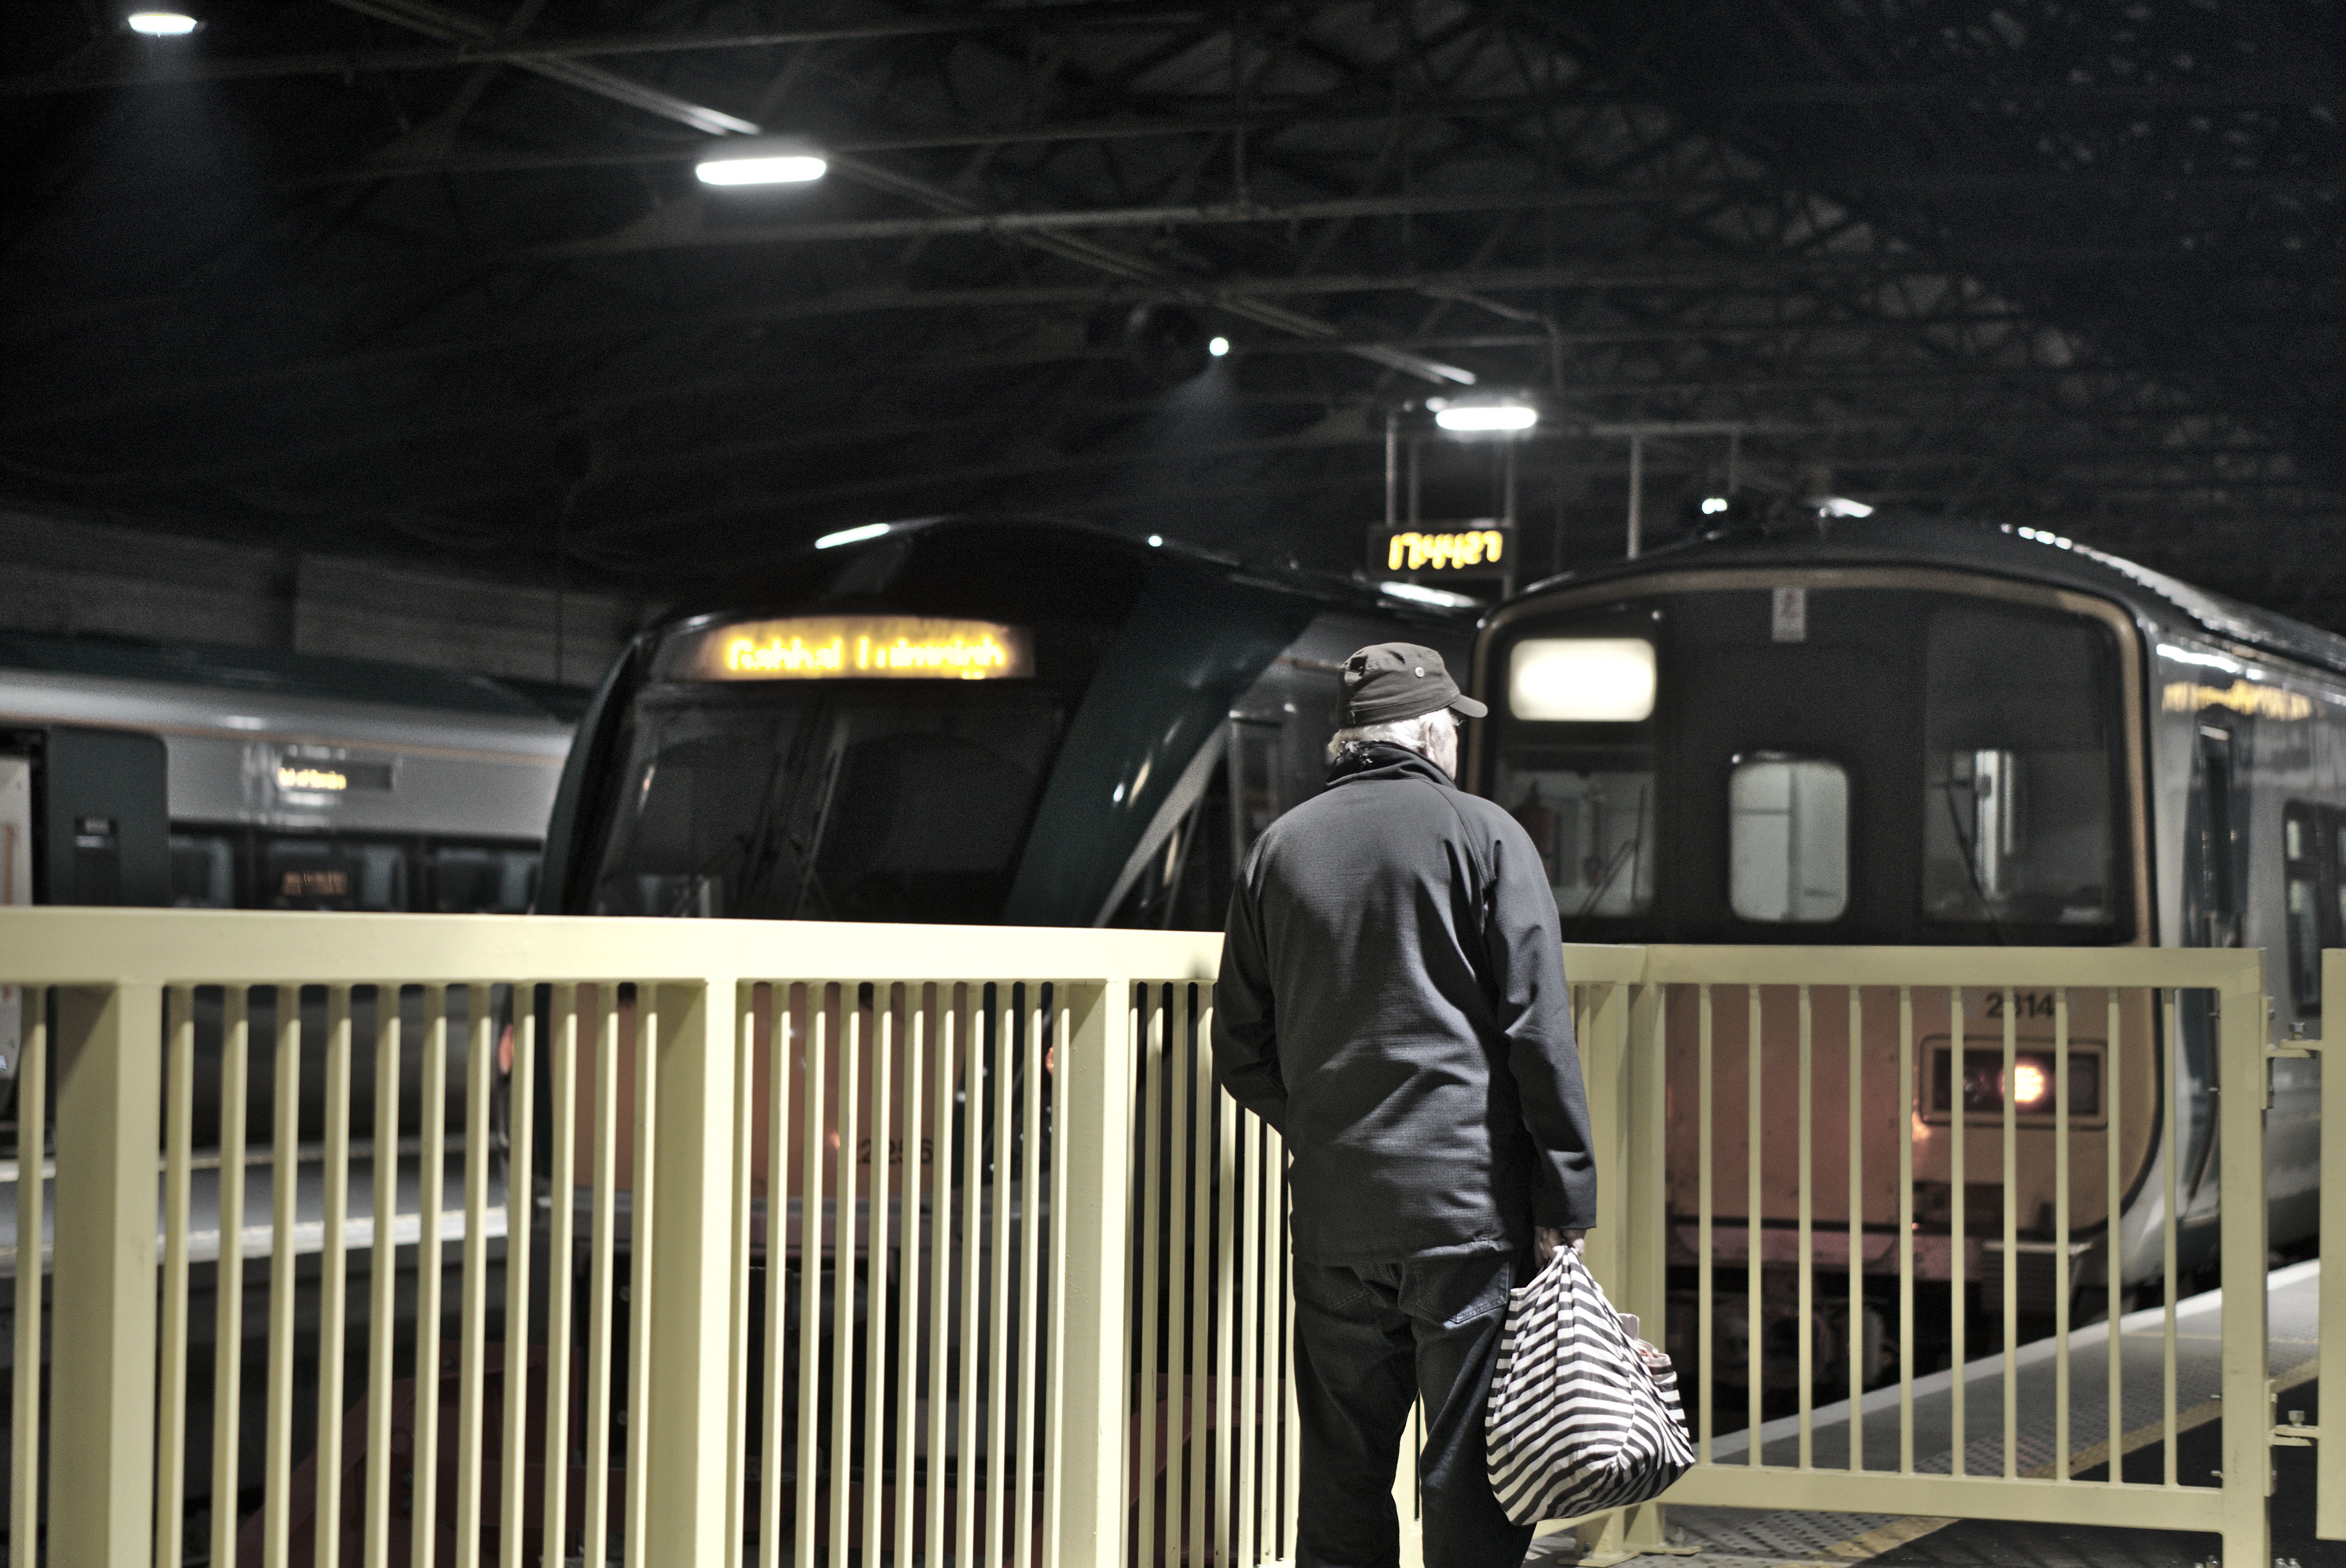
{"type": "Point", "coordinates": [1583, 1416]}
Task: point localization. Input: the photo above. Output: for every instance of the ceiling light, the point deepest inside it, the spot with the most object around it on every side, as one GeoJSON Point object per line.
{"type": "Point", "coordinates": [1713, 504]}
{"type": "Point", "coordinates": [1155, 540]}
{"type": "Point", "coordinates": [1481, 414]}
{"type": "Point", "coordinates": [1153, 345]}
{"type": "Point", "coordinates": [760, 160]}
{"type": "Point", "coordinates": [1441, 598]}
{"type": "Point", "coordinates": [1842, 506]}
{"type": "Point", "coordinates": [1218, 347]}
{"type": "Point", "coordinates": [161, 23]}
{"type": "Point", "coordinates": [852, 535]}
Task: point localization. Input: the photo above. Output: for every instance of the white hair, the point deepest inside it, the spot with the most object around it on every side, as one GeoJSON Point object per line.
{"type": "Point", "coordinates": [1433, 736]}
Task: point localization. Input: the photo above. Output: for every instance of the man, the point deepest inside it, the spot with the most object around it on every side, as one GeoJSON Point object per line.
{"type": "Point", "coordinates": [1392, 1000]}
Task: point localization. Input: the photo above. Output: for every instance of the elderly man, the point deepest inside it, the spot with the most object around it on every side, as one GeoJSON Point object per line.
{"type": "Point", "coordinates": [1392, 1000]}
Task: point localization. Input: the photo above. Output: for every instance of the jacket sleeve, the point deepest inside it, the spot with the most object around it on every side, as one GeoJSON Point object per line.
{"type": "Point", "coordinates": [1523, 939]}
{"type": "Point", "coordinates": [1245, 1035]}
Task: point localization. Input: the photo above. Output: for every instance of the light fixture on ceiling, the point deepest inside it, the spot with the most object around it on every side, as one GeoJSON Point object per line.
{"type": "Point", "coordinates": [1713, 504]}
{"type": "Point", "coordinates": [1841, 506]}
{"type": "Point", "coordinates": [855, 535]}
{"type": "Point", "coordinates": [161, 23]}
{"type": "Point", "coordinates": [1218, 347]}
{"type": "Point", "coordinates": [760, 160]}
{"type": "Point", "coordinates": [1156, 541]}
{"type": "Point", "coordinates": [1441, 598]}
{"type": "Point", "coordinates": [1154, 345]}
{"type": "Point", "coordinates": [1484, 413]}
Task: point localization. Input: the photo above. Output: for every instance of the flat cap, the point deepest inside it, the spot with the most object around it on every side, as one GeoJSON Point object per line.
{"type": "Point", "coordinates": [1387, 682]}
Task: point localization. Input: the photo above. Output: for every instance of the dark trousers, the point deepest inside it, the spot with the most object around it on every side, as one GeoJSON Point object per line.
{"type": "Point", "coordinates": [1371, 1341]}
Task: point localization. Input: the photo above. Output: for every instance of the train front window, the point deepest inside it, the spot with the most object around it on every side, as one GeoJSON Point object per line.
{"type": "Point", "coordinates": [2019, 814]}
{"type": "Point", "coordinates": [837, 801]}
{"type": "Point", "coordinates": [1580, 776]}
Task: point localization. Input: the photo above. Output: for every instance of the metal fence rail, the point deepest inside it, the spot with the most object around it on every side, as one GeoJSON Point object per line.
{"type": "Point", "coordinates": [836, 1239]}
{"type": "Point", "coordinates": [1776, 1046]}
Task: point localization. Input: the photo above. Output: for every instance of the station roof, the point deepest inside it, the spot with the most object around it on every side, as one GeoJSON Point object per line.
{"type": "Point", "coordinates": [436, 280]}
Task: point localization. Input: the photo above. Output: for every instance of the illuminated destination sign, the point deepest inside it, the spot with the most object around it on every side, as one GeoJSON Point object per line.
{"type": "Point", "coordinates": [1459, 550]}
{"type": "Point", "coordinates": [2240, 697]}
{"type": "Point", "coordinates": [860, 647]}
{"type": "Point", "coordinates": [316, 773]}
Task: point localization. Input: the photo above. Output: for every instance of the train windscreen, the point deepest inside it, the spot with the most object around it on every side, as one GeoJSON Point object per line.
{"type": "Point", "coordinates": [864, 767]}
{"type": "Point", "coordinates": [1840, 764]}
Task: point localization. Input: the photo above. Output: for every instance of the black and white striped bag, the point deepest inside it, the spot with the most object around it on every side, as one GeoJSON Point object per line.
{"type": "Point", "coordinates": [1583, 1416]}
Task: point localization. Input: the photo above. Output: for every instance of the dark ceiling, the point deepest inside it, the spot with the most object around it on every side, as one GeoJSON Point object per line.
{"type": "Point", "coordinates": [424, 280]}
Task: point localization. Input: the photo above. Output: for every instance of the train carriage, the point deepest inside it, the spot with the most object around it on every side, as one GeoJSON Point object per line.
{"type": "Point", "coordinates": [1898, 733]}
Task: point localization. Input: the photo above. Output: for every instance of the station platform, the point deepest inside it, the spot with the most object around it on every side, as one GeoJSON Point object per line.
{"type": "Point", "coordinates": [1752, 1538]}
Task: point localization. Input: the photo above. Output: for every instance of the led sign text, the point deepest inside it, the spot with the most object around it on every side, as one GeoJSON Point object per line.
{"type": "Point", "coordinates": [861, 647]}
{"type": "Point", "coordinates": [330, 780]}
{"type": "Point", "coordinates": [1463, 551]}
{"type": "Point", "coordinates": [2240, 697]}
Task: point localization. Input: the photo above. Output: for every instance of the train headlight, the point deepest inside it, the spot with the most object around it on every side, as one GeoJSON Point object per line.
{"type": "Point", "coordinates": [1583, 680]}
{"type": "Point", "coordinates": [2033, 1080]}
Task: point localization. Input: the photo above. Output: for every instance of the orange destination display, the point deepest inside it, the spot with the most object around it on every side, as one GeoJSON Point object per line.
{"type": "Point", "coordinates": [861, 647]}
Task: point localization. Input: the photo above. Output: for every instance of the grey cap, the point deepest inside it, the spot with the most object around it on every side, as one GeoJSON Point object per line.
{"type": "Point", "coordinates": [1385, 683]}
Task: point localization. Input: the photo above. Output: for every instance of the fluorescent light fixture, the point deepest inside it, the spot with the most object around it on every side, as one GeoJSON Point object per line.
{"type": "Point", "coordinates": [1442, 598]}
{"type": "Point", "coordinates": [760, 160]}
{"type": "Point", "coordinates": [852, 535]}
{"type": "Point", "coordinates": [1218, 347]}
{"type": "Point", "coordinates": [1581, 680]}
{"type": "Point", "coordinates": [1712, 505]}
{"type": "Point", "coordinates": [1480, 413]}
{"type": "Point", "coordinates": [1842, 506]}
{"type": "Point", "coordinates": [161, 23]}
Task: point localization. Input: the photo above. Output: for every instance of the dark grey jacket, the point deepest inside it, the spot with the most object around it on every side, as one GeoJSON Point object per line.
{"type": "Point", "coordinates": [1392, 1000]}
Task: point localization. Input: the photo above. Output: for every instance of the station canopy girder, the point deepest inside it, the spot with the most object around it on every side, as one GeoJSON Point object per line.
{"type": "Point", "coordinates": [437, 281]}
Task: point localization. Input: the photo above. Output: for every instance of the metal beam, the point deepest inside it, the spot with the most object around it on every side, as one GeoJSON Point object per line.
{"type": "Point", "coordinates": [482, 46]}
{"type": "Point", "coordinates": [427, 16]}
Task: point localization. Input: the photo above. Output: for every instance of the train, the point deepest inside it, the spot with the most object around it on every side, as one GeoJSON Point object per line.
{"type": "Point", "coordinates": [967, 721]}
{"type": "Point", "coordinates": [310, 781]}
{"type": "Point", "coordinates": [1895, 732]}
{"type": "Point", "coordinates": [143, 771]}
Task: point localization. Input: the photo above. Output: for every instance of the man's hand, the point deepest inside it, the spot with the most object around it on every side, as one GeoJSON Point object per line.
{"type": "Point", "coordinates": [1546, 1239]}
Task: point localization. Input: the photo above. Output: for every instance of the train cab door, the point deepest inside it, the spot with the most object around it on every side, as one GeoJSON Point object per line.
{"type": "Point", "coordinates": [2214, 888]}
{"type": "Point", "coordinates": [2213, 871]}
{"type": "Point", "coordinates": [1794, 789]}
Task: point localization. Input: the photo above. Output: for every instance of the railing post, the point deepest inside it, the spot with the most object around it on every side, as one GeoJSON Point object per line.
{"type": "Point", "coordinates": [1604, 1074]}
{"type": "Point", "coordinates": [2241, 1149]}
{"type": "Point", "coordinates": [110, 1105]}
{"type": "Point", "coordinates": [2329, 1453]}
{"type": "Point", "coordinates": [1623, 1069]}
{"type": "Point", "coordinates": [1094, 1150]}
{"type": "Point", "coordinates": [684, 1391]}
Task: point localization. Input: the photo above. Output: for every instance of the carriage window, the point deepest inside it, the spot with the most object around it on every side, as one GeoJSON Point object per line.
{"type": "Point", "coordinates": [203, 872]}
{"type": "Point", "coordinates": [1590, 814]}
{"type": "Point", "coordinates": [1788, 839]}
{"type": "Point", "coordinates": [2019, 824]}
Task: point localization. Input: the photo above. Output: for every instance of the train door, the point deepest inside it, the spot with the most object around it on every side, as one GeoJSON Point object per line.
{"type": "Point", "coordinates": [2214, 886]}
{"type": "Point", "coordinates": [2213, 871]}
{"type": "Point", "coordinates": [1792, 790]}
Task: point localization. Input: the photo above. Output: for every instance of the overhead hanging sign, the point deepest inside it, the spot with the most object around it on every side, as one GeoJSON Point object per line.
{"type": "Point", "coordinates": [854, 647]}
{"type": "Point", "coordinates": [1461, 550]}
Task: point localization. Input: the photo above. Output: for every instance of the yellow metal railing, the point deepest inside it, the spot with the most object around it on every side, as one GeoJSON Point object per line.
{"type": "Point", "coordinates": [941, 1240]}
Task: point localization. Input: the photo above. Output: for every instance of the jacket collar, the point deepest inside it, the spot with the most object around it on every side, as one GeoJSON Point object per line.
{"type": "Point", "coordinates": [1379, 761]}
